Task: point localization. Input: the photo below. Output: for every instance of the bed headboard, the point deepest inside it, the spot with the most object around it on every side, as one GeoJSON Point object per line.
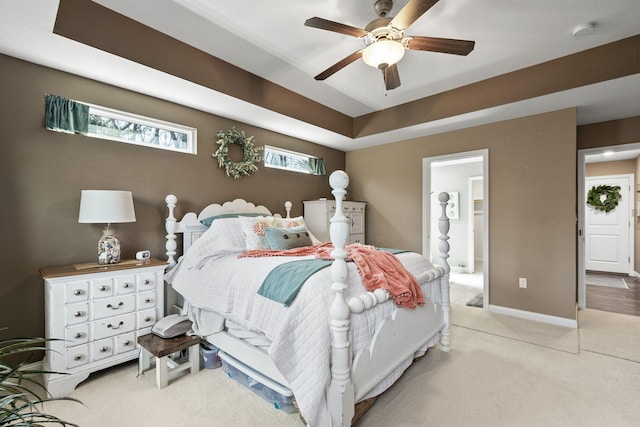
{"type": "Point", "coordinates": [191, 228]}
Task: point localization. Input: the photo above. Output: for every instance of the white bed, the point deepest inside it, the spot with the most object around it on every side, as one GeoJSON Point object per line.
{"type": "Point", "coordinates": [336, 344]}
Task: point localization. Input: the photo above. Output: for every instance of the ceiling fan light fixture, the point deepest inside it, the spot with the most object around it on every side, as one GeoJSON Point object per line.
{"type": "Point", "coordinates": [382, 52]}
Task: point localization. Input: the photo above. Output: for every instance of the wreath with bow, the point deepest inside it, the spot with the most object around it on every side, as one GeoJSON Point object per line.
{"type": "Point", "coordinates": [251, 155]}
{"type": "Point", "coordinates": [604, 197]}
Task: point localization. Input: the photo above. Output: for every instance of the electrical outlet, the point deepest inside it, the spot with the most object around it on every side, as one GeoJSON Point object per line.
{"type": "Point", "coordinates": [523, 282]}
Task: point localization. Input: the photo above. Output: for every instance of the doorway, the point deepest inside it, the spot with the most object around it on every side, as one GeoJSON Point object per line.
{"type": "Point", "coordinates": [609, 235]}
{"type": "Point", "coordinates": [608, 241]}
{"type": "Point", "coordinates": [465, 177]}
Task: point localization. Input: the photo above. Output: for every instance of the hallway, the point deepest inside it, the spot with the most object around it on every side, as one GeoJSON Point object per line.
{"type": "Point", "coordinates": [615, 299]}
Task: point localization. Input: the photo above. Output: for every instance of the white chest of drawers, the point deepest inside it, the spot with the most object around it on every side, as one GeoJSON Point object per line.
{"type": "Point", "coordinates": [95, 316]}
{"type": "Point", "coordinates": [318, 214]}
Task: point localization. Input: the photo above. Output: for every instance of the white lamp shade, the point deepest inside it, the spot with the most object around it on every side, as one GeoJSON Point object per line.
{"type": "Point", "coordinates": [383, 52]}
{"type": "Point", "coordinates": [106, 206]}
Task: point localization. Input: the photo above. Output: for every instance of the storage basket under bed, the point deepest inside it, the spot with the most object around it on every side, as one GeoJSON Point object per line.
{"type": "Point", "coordinates": [277, 394]}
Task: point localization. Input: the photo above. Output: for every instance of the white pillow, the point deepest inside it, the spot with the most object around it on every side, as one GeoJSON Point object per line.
{"type": "Point", "coordinates": [223, 237]}
{"type": "Point", "coordinates": [254, 229]}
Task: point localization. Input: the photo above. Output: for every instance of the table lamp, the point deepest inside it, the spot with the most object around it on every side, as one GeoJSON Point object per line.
{"type": "Point", "coordinates": [107, 207]}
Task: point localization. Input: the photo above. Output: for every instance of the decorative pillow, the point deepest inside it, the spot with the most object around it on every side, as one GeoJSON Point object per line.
{"type": "Point", "coordinates": [253, 229]}
{"type": "Point", "coordinates": [287, 238]}
{"type": "Point", "coordinates": [209, 220]}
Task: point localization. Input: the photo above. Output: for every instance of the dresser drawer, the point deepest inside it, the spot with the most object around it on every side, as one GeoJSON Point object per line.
{"type": "Point", "coordinates": [77, 313]}
{"type": "Point", "coordinates": [102, 288]}
{"type": "Point", "coordinates": [77, 356]}
{"type": "Point", "coordinates": [108, 307]}
{"type": "Point", "coordinates": [76, 291]}
{"type": "Point", "coordinates": [146, 318]}
{"type": "Point", "coordinates": [125, 342]}
{"type": "Point", "coordinates": [356, 238]}
{"type": "Point", "coordinates": [147, 281]}
{"type": "Point", "coordinates": [78, 334]}
{"type": "Point", "coordinates": [146, 300]}
{"type": "Point", "coordinates": [126, 284]}
{"type": "Point", "coordinates": [102, 349]}
{"type": "Point", "coordinates": [113, 326]}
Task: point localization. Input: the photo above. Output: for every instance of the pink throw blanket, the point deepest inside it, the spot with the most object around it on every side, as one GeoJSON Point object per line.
{"type": "Point", "coordinates": [378, 269]}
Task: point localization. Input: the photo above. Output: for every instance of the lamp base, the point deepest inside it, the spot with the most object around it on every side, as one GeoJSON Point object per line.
{"type": "Point", "coordinates": [108, 247]}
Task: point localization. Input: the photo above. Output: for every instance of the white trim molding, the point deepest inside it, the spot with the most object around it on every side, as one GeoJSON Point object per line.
{"type": "Point", "coordinates": [538, 317]}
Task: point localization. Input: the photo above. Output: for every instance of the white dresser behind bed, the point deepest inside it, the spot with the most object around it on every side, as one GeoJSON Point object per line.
{"type": "Point", "coordinates": [318, 213]}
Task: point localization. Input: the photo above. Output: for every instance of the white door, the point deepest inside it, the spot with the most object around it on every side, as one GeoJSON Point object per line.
{"type": "Point", "coordinates": [608, 234]}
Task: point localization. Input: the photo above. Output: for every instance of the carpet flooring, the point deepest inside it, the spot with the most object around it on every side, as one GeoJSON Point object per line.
{"type": "Point", "coordinates": [501, 371]}
{"type": "Point", "coordinates": [537, 333]}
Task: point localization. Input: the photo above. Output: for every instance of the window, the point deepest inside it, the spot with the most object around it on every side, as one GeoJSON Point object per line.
{"type": "Point", "coordinates": [125, 127]}
{"type": "Point", "coordinates": [279, 158]}
{"type": "Point", "coordinates": [65, 115]}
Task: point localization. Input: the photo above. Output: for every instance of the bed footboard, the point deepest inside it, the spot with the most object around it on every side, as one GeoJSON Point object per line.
{"type": "Point", "coordinates": [395, 341]}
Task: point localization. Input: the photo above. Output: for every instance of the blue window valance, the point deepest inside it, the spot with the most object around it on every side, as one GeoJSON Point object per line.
{"type": "Point", "coordinates": [66, 115]}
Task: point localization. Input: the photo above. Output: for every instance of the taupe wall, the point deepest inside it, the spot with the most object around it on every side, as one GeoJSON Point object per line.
{"type": "Point", "coordinates": [614, 132]}
{"type": "Point", "coordinates": [610, 168]}
{"type": "Point", "coordinates": [532, 202]}
{"type": "Point", "coordinates": [44, 172]}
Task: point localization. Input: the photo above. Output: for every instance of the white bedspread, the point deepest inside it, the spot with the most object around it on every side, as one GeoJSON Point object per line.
{"type": "Point", "coordinates": [300, 334]}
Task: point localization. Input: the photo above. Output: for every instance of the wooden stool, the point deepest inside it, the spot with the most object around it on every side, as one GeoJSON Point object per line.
{"type": "Point", "coordinates": [162, 348]}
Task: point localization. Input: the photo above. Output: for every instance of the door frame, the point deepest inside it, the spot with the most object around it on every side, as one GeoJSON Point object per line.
{"type": "Point", "coordinates": [471, 259]}
{"type": "Point", "coordinates": [426, 209]}
{"type": "Point", "coordinates": [582, 287]}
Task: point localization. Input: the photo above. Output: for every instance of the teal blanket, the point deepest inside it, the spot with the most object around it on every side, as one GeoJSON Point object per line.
{"type": "Point", "coordinates": [283, 283]}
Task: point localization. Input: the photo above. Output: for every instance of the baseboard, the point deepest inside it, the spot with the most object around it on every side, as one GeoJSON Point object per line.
{"type": "Point", "coordinates": [538, 317]}
{"type": "Point", "coordinates": [34, 366]}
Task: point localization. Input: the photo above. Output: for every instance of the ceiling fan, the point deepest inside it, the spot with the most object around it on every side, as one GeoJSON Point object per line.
{"type": "Point", "coordinates": [385, 41]}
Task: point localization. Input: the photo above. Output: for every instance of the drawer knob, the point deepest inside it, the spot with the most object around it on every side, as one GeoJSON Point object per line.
{"type": "Point", "coordinates": [126, 285]}
{"type": "Point", "coordinates": [147, 300]}
{"type": "Point", "coordinates": [77, 357]}
{"type": "Point", "coordinates": [78, 292]}
{"type": "Point", "coordinates": [127, 343]}
{"type": "Point", "coordinates": [78, 335]}
{"type": "Point", "coordinates": [78, 314]}
{"type": "Point", "coordinates": [115, 307]}
{"type": "Point", "coordinates": [104, 349]}
{"type": "Point", "coordinates": [147, 281]}
{"type": "Point", "coordinates": [148, 319]}
{"type": "Point", "coordinates": [104, 288]}
{"type": "Point", "coordinates": [115, 327]}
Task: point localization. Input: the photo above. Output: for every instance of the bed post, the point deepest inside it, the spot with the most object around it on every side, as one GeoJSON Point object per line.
{"type": "Point", "coordinates": [170, 227]}
{"type": "Point", "coordinates": [443, 225]}
{"type": "Point", "coordinates": [287, 207]}
{"type": "Point", "coordinates": [340, 394]}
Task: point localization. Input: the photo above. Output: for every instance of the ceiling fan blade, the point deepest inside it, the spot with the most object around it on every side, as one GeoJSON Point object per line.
{"type": "Point", "coordinates": [325, 24]}
{"type": "Point", "coordinates": [435, 44]}
{"type": "Point", "coordinates": [411, 12]}
{"type": "Point", "coordinates": [391, 77]}
{"type": "Point", "coordinates": [339, 65]}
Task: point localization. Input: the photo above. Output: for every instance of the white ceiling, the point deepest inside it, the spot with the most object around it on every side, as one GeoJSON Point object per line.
{"type": "Point", "coordinates": [269, 39]}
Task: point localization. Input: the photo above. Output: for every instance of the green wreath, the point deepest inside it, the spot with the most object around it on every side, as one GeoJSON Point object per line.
{"type": "Point", "coordinates": [612, 194]}
{"type": "Point", "coordinates": [251, 154]}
